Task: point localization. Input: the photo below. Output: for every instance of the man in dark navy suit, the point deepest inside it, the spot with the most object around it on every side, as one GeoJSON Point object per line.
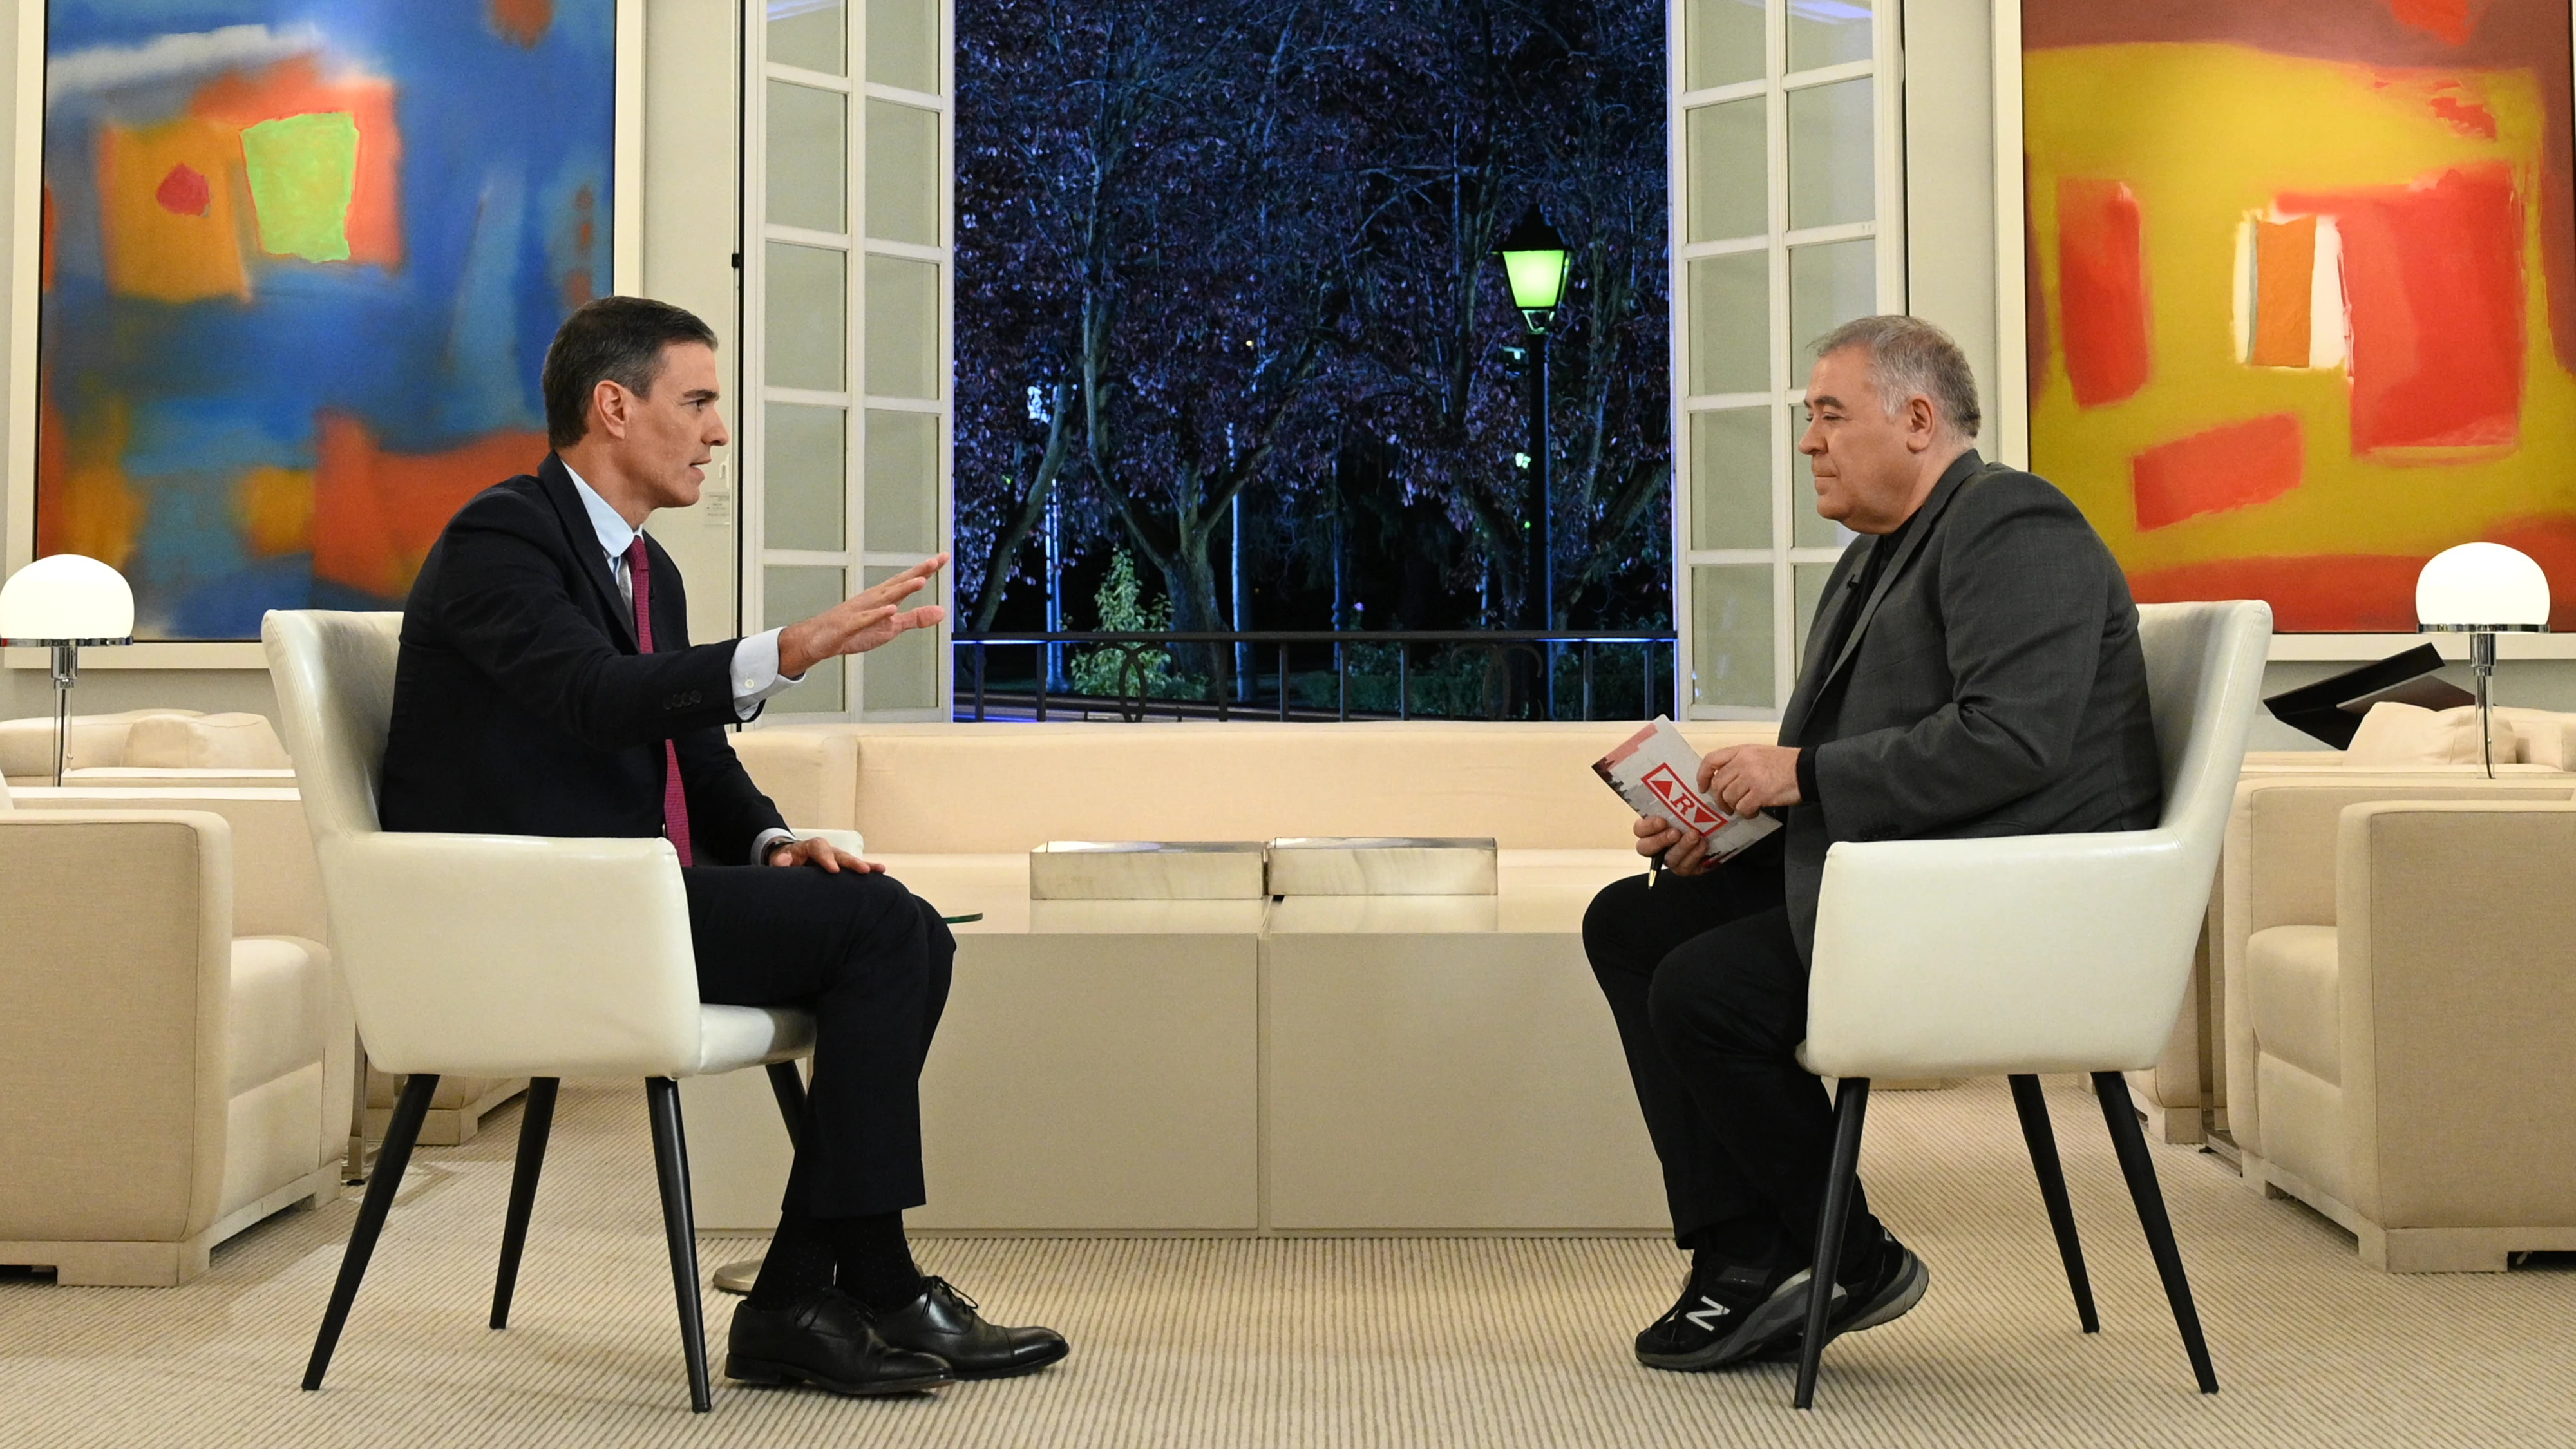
{"type": "Point", "coordinates": [547, 686]}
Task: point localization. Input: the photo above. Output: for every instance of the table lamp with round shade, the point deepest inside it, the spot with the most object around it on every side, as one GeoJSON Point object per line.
{"type": "Point", "coordinates": [63, 601]}
{"type": "Point", "coordinates": [2482, 590]}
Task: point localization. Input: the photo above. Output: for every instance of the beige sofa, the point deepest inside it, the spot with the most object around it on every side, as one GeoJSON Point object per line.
{"type": "Point", "coordinates": [971, 788]}
{"type": "Point", "coordinates": [175, 1051]}
{"type": "Point", "coordinates": [2402, 1022]}
{"type": "Point", "coordinates": [146, 745]}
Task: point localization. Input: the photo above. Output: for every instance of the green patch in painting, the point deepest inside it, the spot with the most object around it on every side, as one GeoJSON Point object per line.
{"type": "Point", "coordinates": [303, 172]}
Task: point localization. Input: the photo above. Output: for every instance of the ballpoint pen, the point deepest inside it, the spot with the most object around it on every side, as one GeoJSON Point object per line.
{"type": "Point", "coordinates": [1654, 868]}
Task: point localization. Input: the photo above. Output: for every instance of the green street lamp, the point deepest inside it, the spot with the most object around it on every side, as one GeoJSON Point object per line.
{"type": "Point", "coordinates": [1536, 261]}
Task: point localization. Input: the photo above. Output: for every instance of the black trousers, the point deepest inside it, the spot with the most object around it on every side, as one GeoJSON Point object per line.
{"type": "Point", "coordinates": [1710, 994]}
{"type": "Point", "coordinates": [872, 962]}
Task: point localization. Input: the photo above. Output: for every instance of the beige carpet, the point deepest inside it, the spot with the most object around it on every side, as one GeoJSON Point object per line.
{"type": "Point", "coordinates": [1467, 1342]}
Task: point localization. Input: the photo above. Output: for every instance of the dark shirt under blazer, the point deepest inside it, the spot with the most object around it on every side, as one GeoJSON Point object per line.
{"type": "Point", "coordinates": [1991, 683]}
{"type": "Point", "coordinates": [521, 706]}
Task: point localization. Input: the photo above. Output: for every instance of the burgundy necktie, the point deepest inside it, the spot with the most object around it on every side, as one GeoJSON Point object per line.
{"type": "Point", "coordinates": [675, 800]}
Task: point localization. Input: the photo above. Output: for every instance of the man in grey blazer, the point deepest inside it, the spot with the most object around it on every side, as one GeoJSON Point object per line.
{"type": "Point", "coordinates": [1973, 670]}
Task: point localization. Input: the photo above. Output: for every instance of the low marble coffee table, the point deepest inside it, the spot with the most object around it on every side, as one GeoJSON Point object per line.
{"type": "Point", "coordinates": [1097, 1069]}
{"type": "Point", "coordinates": [1447, 1064]}
{"type": "Point", "coordinates": [1329, 1064]}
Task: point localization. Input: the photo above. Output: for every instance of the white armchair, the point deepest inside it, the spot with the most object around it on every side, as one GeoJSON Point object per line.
{"type": "Point", "coordinates": [174, 1051]}
{"type": "Point", "coordinates": [500, 956]}
{"type": "Point", "coordinates": [2030, 954]}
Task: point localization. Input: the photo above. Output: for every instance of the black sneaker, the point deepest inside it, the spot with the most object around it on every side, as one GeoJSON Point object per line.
{"type": "Point", "coordinates": [1892, 1281]}
{"type": "Point", "coordinates": [1727, 1317]}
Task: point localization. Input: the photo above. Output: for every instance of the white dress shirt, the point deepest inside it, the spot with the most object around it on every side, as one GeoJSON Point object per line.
{"type": "Point", "coordinates": [755, 673]}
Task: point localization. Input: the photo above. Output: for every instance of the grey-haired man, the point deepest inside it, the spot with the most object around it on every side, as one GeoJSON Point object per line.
{"type": "Point", "coordinates": [1974, 670]}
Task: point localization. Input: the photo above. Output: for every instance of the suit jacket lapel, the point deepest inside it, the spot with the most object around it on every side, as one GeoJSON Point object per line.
{"type": "Point", "coordinates": [556, 484]}
{"type": "Point", "coordinates": [1837, 597]}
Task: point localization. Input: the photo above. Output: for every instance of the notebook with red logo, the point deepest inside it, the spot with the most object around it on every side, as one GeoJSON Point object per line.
{"type": "Point", "coordinates": [1657, 772]}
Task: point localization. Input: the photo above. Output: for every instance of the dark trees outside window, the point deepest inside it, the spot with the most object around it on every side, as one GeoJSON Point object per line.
{"type": "Point", "coordinates": [1227, 303]}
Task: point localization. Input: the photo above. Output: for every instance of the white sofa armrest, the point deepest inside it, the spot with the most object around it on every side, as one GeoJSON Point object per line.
{"type": "Point", "coordinates": [277, 886]}
{"type": "Point", "coordinates": [810, 772]}
{"type": "Point", "coordinates": [113, 1057]}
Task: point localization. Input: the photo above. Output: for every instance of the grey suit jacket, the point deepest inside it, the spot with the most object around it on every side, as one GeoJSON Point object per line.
{"type": "Point", "coordinates": [1992, 685]}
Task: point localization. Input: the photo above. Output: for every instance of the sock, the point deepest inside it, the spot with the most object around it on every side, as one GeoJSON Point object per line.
{"type": "Point", "coordinates": [1752, 1241]}
{"type": "Point", "coordinates": [799, 1264]}
{"type": "Point", "coordinates": [875, 1260]}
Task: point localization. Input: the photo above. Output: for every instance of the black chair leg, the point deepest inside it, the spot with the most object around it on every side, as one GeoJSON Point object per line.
{"type": "Point", "coordinates": [2131, 1143]}
{"type": "Point", "coordinates": [788, 1085]}
{"type": "Point", "coordinates": [391, 1159]}
{"type": "Point", "coordinates": [1851, 1105]}
{"type": "Point", "coordinates": [671, 1164]}
{"type": "Point", "coordinates": [536, 1119]}
{"type": "Point", "coordinates": [2035, 1130]}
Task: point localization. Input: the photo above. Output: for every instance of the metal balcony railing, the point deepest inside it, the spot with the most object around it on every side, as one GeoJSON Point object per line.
{"type": "Point", "coordinates": [1317, 675]}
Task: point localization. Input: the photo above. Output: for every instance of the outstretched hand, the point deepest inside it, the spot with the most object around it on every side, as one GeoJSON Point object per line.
{"type": "Point", "coordinates": [864, 621]}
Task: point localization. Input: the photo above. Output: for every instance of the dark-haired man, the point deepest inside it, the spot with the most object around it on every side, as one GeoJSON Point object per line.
{"type": "Point", "coordinates": [547, 686]}
{"type": "Point", "coordinates": [1974, 670]}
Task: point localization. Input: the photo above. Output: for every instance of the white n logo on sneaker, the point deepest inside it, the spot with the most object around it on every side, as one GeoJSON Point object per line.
{"type": "Point", "coordinates": [1705, 1319]}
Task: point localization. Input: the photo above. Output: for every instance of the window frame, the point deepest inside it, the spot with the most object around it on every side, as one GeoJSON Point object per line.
{"type": "Point", "coordinates": [1785, 398]}
{"type": "Point", "coordinates": [857, 562]}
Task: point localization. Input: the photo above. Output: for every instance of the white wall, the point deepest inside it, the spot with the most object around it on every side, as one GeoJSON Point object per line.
{"type": "Point", "coordinates": [692, 151]}
{"type": "Point", "coordinates": [690, 154]}
{"type": "Point", "coordinates": [1949, 175]}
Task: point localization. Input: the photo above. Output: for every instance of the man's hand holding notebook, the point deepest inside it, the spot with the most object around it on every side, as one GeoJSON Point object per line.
{"type": "Point", "coordinates": [1656, 771]}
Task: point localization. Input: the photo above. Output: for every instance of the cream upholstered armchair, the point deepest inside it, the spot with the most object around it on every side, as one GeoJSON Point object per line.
{"type": "Point", "coordinates": [500, 956]}
{"type": "Point", "coordinates": [175, 1051]}
{"type": "Point", "coordinates": [2039, 953]}
{"type": "Point", "coordinates": [2404, 1009]}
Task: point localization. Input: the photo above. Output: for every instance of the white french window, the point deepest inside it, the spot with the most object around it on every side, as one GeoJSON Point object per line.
{"type": "Point", "coordinates": [1787, 221]}
{"type": "Point", "coordinates": [846, 270]}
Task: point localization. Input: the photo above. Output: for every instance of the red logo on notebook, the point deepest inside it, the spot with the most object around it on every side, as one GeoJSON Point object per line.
{"type": "Point", "coordinates": [1684, 801]}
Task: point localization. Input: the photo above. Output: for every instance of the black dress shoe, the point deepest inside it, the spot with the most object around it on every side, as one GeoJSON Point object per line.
{"type": "Point", "coordinates": [826, 1341]}
{"type": "Point", "coordinates": [943, 1321]}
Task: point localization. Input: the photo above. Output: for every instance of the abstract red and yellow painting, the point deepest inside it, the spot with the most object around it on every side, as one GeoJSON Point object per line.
{"type": "Point", "coordinates": [2302, 291]}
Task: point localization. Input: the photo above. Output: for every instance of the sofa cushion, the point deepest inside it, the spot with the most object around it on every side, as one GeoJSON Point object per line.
{"type": "Point", "coordinates": [2395, 736]}
{"type": "Point", "coordinates": [2304, 1129]}
{"type": "Point", "coordinates": [27, 745]}
{"type": "Point", "coordinates": [279, 1005]}
{"type": "Point", "coordinates": [2290, 988]}
{"type": "Point", "coordinates": [206, 742]}
{"type": "Point", "coordinates": [2548, 736]}
{"type": "Point", "coordinates": [269, 1137]}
